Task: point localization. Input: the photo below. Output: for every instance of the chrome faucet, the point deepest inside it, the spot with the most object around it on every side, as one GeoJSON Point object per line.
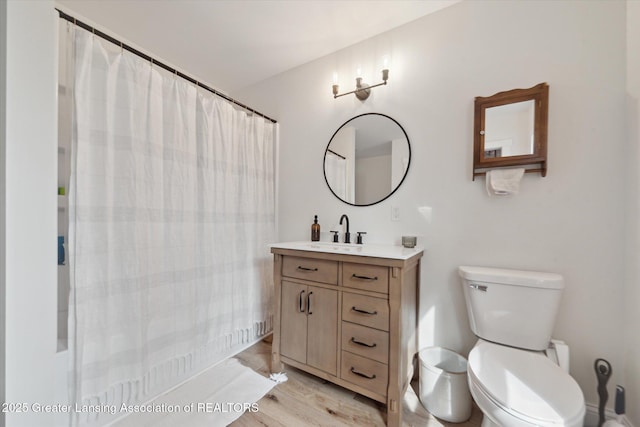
{"type": "Point", "coordinates": [347, 235]}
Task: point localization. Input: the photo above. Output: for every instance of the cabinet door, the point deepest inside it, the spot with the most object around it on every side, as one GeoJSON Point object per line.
{"type": "Point", "coordinates": [322, 329]}
{"type": "Point", "coordinates": [293, 323]}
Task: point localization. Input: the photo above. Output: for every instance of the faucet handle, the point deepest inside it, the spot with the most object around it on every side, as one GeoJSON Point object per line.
{"type": "Point", "coordinates": [359, 238]}
{"type": "Point", "coordinates": [335, 236]}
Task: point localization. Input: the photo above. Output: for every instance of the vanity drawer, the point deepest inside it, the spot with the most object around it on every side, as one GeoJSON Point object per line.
{"type": "Point", "coordinates": [317, 270]}
{"type": "Point", "coordinates": [373, 278]}
{"type": "Point", "coordinates": [367, 342]}
{"type": "Point", "coordinates": [364, 372]}
{"type": "Point", "coordinates": [365, 310]}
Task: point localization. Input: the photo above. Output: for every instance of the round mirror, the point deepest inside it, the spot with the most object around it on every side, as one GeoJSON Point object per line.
{"type": "Point", "coordinates": [367, 159]}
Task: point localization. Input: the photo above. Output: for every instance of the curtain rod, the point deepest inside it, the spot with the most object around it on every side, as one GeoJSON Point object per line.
{"type": "Point", "coordinates": [158, 63]}
{"type": "Point", "coordinates": [339, 155]}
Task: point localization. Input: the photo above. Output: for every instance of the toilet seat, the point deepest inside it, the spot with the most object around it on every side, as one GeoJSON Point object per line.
{"type": "Point", "coordinates": [524, 386]}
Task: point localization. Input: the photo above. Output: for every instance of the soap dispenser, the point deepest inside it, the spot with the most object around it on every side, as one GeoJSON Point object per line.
{"type": "Point", "coordinates": [315, 230]}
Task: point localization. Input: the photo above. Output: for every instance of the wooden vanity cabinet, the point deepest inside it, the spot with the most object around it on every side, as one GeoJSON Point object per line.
{"type": "Point", "coordinates": [349, 319]}
{"type": "Point", "coordinates": [310, 325]}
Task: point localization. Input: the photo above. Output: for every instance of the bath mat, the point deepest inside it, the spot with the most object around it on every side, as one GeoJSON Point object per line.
{"type": "Point", "coordinates": [214, 398]}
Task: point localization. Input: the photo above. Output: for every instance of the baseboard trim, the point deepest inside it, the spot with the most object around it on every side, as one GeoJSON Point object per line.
{"type": "Point", "coordinates": [591, 418]}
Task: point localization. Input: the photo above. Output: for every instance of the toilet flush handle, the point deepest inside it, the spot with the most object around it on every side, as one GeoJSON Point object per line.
{"type": "Point", "coordinates": [482, 288]}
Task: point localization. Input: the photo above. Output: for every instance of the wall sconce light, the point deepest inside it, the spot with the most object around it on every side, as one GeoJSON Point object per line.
{"type": "Point", "coordinates": [362, 90]}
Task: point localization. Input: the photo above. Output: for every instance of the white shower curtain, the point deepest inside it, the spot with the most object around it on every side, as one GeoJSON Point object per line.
{"type": "Point", "coordinates": [335, 170]}
{"type": "Point", "coordinates": [171, 212]}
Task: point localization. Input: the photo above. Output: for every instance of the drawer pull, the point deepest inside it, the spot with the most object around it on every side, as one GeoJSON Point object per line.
{"type": "Point", "coordinates": [369, 377]}
{"type": "Point", "coordinates": [364, 344]}
{"type": "Point", "coordinates": [371, 313]}
{"type": "Point", "coordinates": [364, 277]}
{"type": "Point", "coordinates": [306, 269]}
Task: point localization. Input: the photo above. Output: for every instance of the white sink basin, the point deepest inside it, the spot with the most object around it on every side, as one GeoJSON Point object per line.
{"type": "Point", "coordinates": [380, 251]}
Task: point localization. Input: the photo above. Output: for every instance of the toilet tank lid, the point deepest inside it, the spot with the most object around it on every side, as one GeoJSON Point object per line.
{"type": "Point", "coordinates": [534, 279]}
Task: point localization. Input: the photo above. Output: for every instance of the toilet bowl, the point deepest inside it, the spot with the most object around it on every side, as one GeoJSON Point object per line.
{"type": "Point", "coordinates": [522, 388]}
{"type": "Point", "coordinates": [511, 379]}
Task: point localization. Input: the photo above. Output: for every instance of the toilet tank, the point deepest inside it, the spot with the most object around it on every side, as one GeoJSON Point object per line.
{"type": "Point", "coordinates": [512, 307]}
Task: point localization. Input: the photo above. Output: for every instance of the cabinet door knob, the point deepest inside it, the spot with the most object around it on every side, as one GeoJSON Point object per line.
{"type": "Point", "coordinates": [300, 306]}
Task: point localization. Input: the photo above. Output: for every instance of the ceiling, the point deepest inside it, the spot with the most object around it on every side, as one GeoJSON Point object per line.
{"type": "Point", "coordinates": [231, 44]}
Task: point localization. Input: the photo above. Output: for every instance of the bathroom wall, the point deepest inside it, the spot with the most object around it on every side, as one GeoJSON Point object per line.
{"type": "Point", "coordinates": [632, 290]}
{"type": "Point", "coordinates": [29, 185]}
{"type": "Point", "coordinates": [571, 222]}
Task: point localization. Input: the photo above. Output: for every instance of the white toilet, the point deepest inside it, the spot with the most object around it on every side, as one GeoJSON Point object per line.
{"type": "Point", "coordinates": [511, 378]}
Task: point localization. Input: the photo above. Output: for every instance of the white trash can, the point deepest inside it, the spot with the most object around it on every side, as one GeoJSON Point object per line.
{"type": "Point", "coordinates": [444, 390]}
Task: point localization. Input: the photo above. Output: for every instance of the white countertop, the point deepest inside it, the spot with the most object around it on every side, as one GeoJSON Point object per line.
{"type": "Point", "coordinates": [365, 250]}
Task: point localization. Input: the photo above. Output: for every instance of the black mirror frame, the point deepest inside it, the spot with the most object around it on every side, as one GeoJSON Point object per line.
{"type": "Point", "coordinates": [406, 172]}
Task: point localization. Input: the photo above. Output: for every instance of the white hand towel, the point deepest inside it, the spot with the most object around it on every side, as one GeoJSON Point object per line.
{"type": "Point", "coordinates": [504, 182]}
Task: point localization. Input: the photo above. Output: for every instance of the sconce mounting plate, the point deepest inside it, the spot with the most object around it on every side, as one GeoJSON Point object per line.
{"type": "Point", "coordinates": [363, 91]}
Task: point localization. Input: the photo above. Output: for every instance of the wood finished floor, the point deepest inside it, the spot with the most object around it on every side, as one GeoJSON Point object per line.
{"type": "Point", "coordinates": [305, 400]}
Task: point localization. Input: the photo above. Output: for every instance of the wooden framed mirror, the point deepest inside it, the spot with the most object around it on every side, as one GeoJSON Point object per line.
{"type": "Point", "coordinates": [510, 130]}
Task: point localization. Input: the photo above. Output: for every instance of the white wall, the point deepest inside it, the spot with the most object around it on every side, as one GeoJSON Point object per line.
{"type": "Point", "coordinates": [632, 290]}
{"type": "Point", "coordinates": [30, 209]}
{"type": "Point", "coordinates": [399, 161]}
{"type": "Point", "coordinates": [373, 178]}
{"type": "Point", "coordinates": [571, 222]}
